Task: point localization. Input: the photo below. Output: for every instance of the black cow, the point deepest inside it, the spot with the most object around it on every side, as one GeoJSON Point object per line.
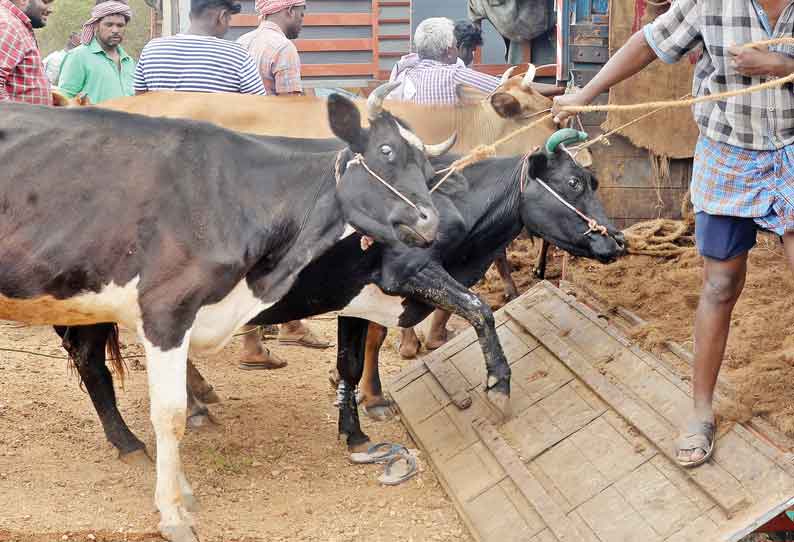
{"type": "Point", "coordinates": [480, 214]}
{"type": "Point", "coordinates": [184, 231]}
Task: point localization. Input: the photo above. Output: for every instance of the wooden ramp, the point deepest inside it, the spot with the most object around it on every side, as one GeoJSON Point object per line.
{"type": "Point", "coordinates": [586, 455]}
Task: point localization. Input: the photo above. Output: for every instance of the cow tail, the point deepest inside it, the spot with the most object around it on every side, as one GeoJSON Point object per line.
{"type": "Point", "coordinates": [114, 355]}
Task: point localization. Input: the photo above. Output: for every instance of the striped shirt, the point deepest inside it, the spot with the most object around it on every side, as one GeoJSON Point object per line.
{"type": "Point", "coordinates": [191, 63]}
{"type": "Point", "coordinates": [431, 82]}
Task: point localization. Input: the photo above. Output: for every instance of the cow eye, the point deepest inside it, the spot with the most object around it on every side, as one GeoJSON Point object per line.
{"type": "Point", "coordinates": [575, 183]}
{"type": "Point", "coordinates": [387, 151]}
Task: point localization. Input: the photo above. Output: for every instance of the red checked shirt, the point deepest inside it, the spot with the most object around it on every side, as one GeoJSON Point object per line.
{"type": "Point", "coordinates": [22, 77]}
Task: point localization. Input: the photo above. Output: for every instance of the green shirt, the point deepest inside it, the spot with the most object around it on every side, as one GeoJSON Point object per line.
{"type": "Point", "coordinates": [88, 69]}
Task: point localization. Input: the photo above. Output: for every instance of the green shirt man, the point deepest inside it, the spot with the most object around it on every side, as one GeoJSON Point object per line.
{"type": "Point", "coordinates": [100, 68]}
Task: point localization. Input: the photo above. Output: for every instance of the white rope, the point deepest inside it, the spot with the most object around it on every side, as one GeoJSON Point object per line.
{"type": "Point", "coordinates": [358, 159]}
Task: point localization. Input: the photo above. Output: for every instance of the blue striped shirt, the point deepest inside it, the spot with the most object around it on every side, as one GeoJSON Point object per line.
{"type": "Point", "coordinates": [191, 63]}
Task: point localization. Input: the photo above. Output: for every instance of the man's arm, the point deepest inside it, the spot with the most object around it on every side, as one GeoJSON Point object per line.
{"type": "Point", "coordinates": [73, 75]}
{"type": "Point", "coordinates": [287, 72]}
{"type": "Point", "coordinates": [481, 81]}
{"type": "Point", "coordinates": [669, 37]}
{"type": "Point", "coordinates": [11, 54]}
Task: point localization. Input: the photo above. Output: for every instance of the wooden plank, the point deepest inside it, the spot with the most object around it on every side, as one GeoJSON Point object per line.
{"type": "Point", "coordinates": [534, 377]}
{"type": "Point", "coordinates": [661, 504]}
{"type": "Point", "coordinates": [613, 519]}
{"type": "Point", "coordinates": [610, 452]}
{"type": "Point", "coordinates": [529, 487]}
{"type": "Point", "coordinates": [703, 528]}
{"type": "Point", "coordinates": [421, 399]}
{"type": "Point", "coordinates": [394, 21]}
{"type": "Point", "coordinates": [695, 496]}
{"type": "Point", "coordinates": [305, 46]}
{"type": "Point", "coordinates": [496, 518]}
{"type": "Point", "coordinates": [452, 382]}
{"type": "Point", "coordinates": [712, 478]}
{"type": "Point", "coordinates": [574, 475]}
{"type": "Point", "coordinates": [319, 70]}
{"type": "Point", "coordinates": [471, 472]}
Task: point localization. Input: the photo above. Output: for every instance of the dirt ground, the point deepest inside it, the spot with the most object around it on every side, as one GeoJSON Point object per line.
{"type": "Point", "coordinates": [272, 470]}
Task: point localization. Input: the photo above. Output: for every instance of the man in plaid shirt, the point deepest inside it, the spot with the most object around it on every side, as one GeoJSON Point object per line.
{"type": "Point", "coordinates": [22, 77]}
{"type": "Point", "coordinates": [743, 173]}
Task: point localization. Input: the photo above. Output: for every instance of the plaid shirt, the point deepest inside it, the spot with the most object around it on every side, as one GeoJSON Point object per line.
{"type": "Point", "coordinates": [760, 120]}
{"type": "Point", "coordinates": [433, 82]}
{"type": "Point", "coordinates": [276, 56]}
{"type": "Point", "coordinates": [733, 181]}
{"type": "Point", "coordinates": [22, 77]}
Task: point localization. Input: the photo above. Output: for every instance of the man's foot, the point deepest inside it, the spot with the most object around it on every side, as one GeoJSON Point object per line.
{"type": "Point", "coordinates": [303, 338]}
{"type": "Point", "coordinates": [264, 360]}
{"type": "Point", "coordinates": [409, 344]}
{"type": "Point", "coordinates": [437, 338]}
{"type": "Point", "coordinates": [695, 446]}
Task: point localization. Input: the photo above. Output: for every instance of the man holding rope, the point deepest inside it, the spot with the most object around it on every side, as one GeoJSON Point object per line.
{"type": "Point", "coordinates": [743, 173]}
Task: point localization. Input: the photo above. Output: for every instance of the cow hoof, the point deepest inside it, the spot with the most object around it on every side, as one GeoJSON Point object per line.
{"type": "Point", "coordinates": [179, 533]}
{"type": "Point", "coordinates": [138, 458]}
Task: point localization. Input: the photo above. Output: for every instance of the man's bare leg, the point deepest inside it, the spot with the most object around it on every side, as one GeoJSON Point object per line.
{"type": "Point", "coordinates": [298, 333]}
{"type": "Point", "coordinates": [722, 285]}
{"type": "Point", "coordinates": [255, 354]}
{"type": "Point", "coordinates": [437, 335]}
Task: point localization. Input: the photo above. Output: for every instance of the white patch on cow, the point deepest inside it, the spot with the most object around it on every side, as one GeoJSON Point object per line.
{"type": "Point", "coordinates": [374, 305]}
{"type": "Point", "coordinates": [167, 375]}
{"type": "Point", "coordinates": [410, 137]}
{"type": "Point", "coordinates": [113, 303]}
{"type": "Point", "coordinates": [349, 230]}
{"type": "Point", "coordinates": [215, 324]}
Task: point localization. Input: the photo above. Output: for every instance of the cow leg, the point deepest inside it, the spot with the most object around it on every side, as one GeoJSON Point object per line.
{"type": "Point", "coordinates": [167, 372]}
{"type": "Point", "coordinates": [352, 335]}
{"type": "Point", "coordinates": [86, 346]}
{"type": "Point", "coordinates": [503, 268]}
{"type": "Point", "coordinates": [540, 265]}
{"type": "Point", "coordinates": [375, 405]}
{"type": "Point", "coordinates": [434, 286]}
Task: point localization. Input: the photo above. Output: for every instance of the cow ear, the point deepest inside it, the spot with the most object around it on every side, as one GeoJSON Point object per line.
{"type": "Point", "coordinates": [345, 121]}
{"type": "Point", "coordinates": [506, 105]}
{"type": "Point", "coordinates": [538, 163]}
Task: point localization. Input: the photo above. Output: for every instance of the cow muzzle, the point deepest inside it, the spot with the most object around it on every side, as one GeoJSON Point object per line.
{"type": "Point", "coordinates": [422, 231]}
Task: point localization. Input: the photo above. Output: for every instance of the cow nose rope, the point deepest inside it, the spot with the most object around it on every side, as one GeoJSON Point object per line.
{"type": "Point", "coordinates": [592, 224]}
{"type": "Point", "coordinates": [358, 159]}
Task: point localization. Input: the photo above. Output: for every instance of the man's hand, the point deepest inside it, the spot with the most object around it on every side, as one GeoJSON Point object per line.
{"type": "Point", "coordinates": [756, 62]}
{"type": "Point", "coordinates": [576, 99]}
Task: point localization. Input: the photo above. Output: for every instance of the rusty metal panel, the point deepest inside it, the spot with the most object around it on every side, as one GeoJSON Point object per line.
{"type": "Point", "coordinates": [586, 454]}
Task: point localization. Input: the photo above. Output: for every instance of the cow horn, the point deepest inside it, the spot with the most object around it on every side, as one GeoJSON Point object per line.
{"type": "Point", "coordinates": [563, 136]}
{"type": "Point", "coordinates": [507, 74]}
{"type": "Point", "coordinates": [375, 100]}
{"type": "Point", "coordinates": [439, 149]}
{"type": "Point", "coordinates": [526, 82]}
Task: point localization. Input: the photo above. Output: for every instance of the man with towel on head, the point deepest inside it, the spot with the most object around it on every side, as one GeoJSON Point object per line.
{"type": "Point", "coordinates": [270, 45]}
{"type": "Point", "coordinates": [279, 65]}
{"type": "Point", "coordinates": [100, 67]}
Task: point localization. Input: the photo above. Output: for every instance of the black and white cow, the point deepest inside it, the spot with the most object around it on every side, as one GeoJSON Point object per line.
{"type": "Point", "coordinates": [481, 212]}
{"type": "Point", "coordinates": [184, 231]}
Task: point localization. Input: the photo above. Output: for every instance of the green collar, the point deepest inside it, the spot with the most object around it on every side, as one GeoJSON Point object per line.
{"type": "Point", "coordinates": [95, 48]}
